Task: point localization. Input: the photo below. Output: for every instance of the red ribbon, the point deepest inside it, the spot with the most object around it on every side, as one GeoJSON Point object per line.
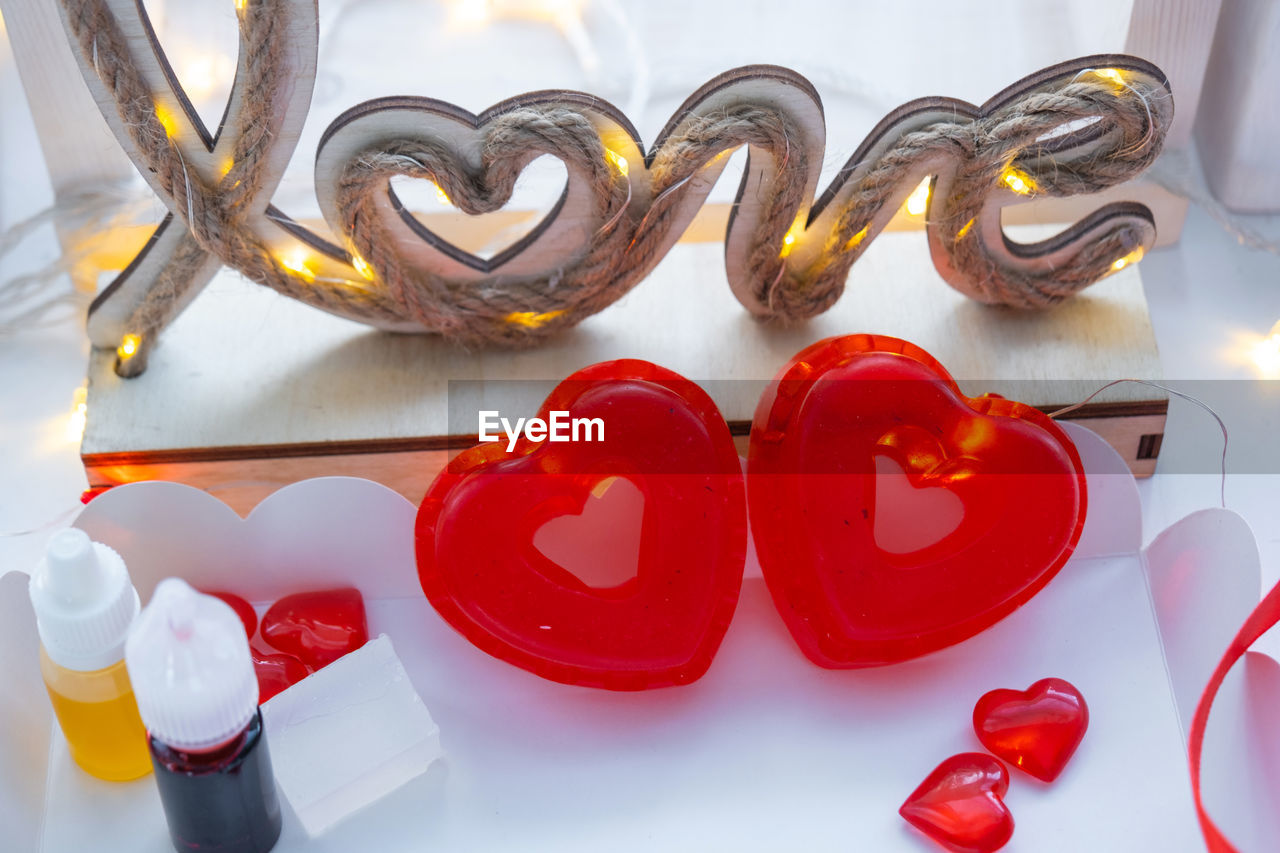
{"type": "Point", "coordinates": [1263, 617]}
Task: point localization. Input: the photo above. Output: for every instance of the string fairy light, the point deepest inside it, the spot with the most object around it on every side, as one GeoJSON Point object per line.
{"type": "Point", "coordinates": [296, 262]}
{"type": "Point", "coordinates": [793, 234]}
{"type": "Point", "coordinates": [1018, 181]}
{"type": "Point", "coordinates": [1266, 353]}
{"type": "Point", "coordinates": [619, 162]}
{"type": "Point", "coordinates": [532, 319]}
{"type": "Point", "coordinates": [201, 73]}
{"type": "Point", "coordinates": [918, 201]}
{"type": "Point", "coordinates": [857, 238]}
{"type": "Point", "coordinates": [128, 347]}
{"type": "Point", "coordinates": [1112, 74]}
{"type": "Point", "coordinates": [79, 413]}
{"type": "Point", "coordinates": [362, 267]}
{"type": "Point", "coordinates": [1131, 258]}
{"type": "Point", "coordinates": [167, 120]}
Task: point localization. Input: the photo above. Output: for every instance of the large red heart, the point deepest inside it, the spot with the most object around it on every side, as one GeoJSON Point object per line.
{"type": "Point", "coordinates": [960, 804]}
{"type": "Point", "coordinates": [1037, 729]}
{"type": "Point", "coordinates": [851, 601]}
{"type": "Point", "coordinates": [481, 570]}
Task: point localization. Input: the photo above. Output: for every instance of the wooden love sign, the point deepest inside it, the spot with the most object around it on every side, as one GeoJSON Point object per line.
{"type": "Point", "coordinates": [1074, 128]}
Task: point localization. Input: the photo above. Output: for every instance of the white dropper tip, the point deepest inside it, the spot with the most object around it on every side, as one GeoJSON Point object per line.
{"type": "Point", "coordinates": [191, 669]}
{"type": "Point", "coordinates": [180, 600]}
{"type": "Point", "coordinates": [74, 578]}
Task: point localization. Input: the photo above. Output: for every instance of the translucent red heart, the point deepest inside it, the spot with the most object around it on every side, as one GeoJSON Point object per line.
{"type": "Point", "coordinates": [961, 806]}
{"type": "Point", "coordinates": [1036, 730]}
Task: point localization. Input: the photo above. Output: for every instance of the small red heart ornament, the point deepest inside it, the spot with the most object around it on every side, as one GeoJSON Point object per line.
{"type": "Point", "coordinates": [960, 804]}
{"type": "Point", "coordinates": [317, 628]}
{"type": "Point", "coordinates": [248, 616]}
{"type": "Point", "coordinates": [482, 572]}
{"type": "Point", "coordinates": [855, 580]}
{"type": "Point", "coordinates": [275, 672]}
{"type": "Point", "coordinates": [1037, 729]}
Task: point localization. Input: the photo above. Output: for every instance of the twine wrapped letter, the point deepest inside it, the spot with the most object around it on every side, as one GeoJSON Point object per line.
{"type": "Point", "coordinates": [1075, 128]}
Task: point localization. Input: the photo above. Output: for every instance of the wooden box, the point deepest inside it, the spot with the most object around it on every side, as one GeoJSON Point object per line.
{"type": "Point", "coordinates": [250, 391]}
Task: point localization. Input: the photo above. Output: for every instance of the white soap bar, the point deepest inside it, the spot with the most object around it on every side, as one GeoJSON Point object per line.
{"type": "Point", "coordinates": [348, 735]}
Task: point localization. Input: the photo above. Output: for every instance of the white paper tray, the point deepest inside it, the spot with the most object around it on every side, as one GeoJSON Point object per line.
{"type": "Point", "coordinates": [767, 752]}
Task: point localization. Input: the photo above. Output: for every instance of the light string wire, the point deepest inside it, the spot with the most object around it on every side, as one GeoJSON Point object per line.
{"type": "Point", "coordinates": [1181, 395]}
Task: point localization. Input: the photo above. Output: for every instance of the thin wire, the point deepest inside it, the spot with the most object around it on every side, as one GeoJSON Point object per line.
{"type": "Point", "coordinates": [1221, 425]}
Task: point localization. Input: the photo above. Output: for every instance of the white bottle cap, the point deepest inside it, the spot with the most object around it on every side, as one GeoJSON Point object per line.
{"type": "Point", "coordinates": [189, 662]}
{"type": "Point", "coordinates": [84, 602]}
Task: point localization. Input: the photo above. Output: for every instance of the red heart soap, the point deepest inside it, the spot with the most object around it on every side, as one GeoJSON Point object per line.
{"type": "Point", "coordinates": [275, 672]}
{"type": "Point", "coordinates": [960, 804]}
{"type": "Point", "coordinates": [1037, 729]}
{"type": "Point", "coordinates": [481, 570]}
{"type": "Point", "coordinates": [995, 488]}
{"type": "Point", "coordinates": [317, 628]}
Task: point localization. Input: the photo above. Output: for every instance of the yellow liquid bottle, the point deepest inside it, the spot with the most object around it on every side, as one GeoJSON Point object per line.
{"type": "Point", "coordinates": [99, 719]}
{"type": "Point", "coordinates": [85, 604]}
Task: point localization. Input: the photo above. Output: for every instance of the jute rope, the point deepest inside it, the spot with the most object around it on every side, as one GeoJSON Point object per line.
{"type": "Point", "coordinates": [974, 153]}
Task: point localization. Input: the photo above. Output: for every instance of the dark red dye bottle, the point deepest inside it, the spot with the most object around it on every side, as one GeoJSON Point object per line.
{"type": "Point", "coordinates": [189, 662]}
{"type": "Point", "coordinates": [223, 799]}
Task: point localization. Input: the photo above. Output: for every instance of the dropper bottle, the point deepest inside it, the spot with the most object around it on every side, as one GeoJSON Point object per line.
{"type": "Point", "coordinates": [198, 696]}
{"type": "Point", "coordinates": [84, 604]}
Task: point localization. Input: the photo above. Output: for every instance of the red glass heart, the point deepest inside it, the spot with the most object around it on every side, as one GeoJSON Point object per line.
{"type": "Point", "coordinates": [855, 583]}
{"type": "Point", "coordinates": [275, 672]}
{"type": "Point", "coordinates": [481, 570]}
{"type": "Point", "coordinates": [960, 804]}
{"type": "Point", "coordinates": [242, 608]}
{"type": "Point", "coordinates": [1037, 729]}
{"type": "Point", "coordinates": [317, 627]}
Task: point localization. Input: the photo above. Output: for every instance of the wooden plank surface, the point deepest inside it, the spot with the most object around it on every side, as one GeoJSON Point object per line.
{"type": "Point", "coordinates": [244, 367]}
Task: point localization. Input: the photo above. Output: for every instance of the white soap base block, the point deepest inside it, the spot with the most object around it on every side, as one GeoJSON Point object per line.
{"type": "Point", "coordinates": [348, 735]}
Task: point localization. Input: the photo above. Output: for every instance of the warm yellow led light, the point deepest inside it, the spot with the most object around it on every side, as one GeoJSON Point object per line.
{"type": "Point", "coordinates": [1112, 74]}
{"type": "Point", "coordinates": [1131, 258]}
{"type": "Point", "coordinates": [1019, 182]}
{"type": "Point", "coordinates": [918, 201]}
{"type": "Point", "coordinates": [201, 73]}
{"type": "Point", "coordinates": [619, 162]}
{"type": "Point", "coordinates": [532, 319]}
{"type": "Point", "coordinates": [793, 234]}
{"type": "Point", "coordinates": [296, 262]}
{"type": "Point", "coordinates": [473, 13]}
{"type": "Point", "coordinates": [443, 197]}
{"type": "Point", "coordinates": [857, 238]}
{"type": "Point", "coordinates": [79, 410]}
{"type": "Point", "coordinates": [964, 230]}
{"type": "Point", "coordinates": [240, 4]}
{"type": "Point", "coordinates": [128, 347]}
{"type": "Point", "coordinates": [1266, 353]}
{"type": "Point", "coordinates": [167, 120]}
{"type": "Point", "coordinates": [362, 267]}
